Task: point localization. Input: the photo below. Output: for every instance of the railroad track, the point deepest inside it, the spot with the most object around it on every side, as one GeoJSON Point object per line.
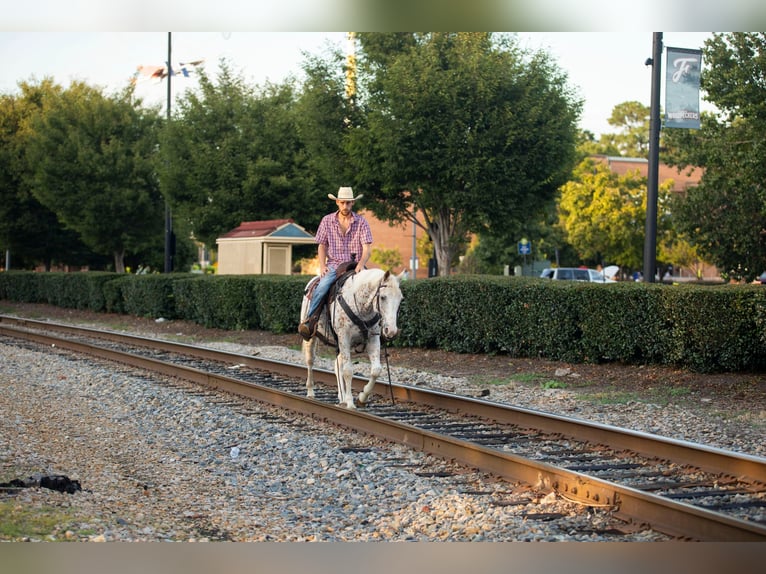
{"type": "Point", "coordinates": [681, 489]}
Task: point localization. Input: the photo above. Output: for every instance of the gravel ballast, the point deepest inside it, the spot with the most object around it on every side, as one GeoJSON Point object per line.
{"type": "Point", "coordinates": [161, 460]}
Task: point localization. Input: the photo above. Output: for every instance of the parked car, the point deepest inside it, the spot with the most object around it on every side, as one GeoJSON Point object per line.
{"type": "Point", "coordinates": [575, 274]}
{"type": "Point", "coordinates": [762, 278]}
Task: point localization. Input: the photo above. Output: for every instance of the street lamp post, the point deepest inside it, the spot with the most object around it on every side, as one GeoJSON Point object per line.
{"type": "Point", "coordinates": [650, 238]}
{"type": "Point", "coordinates": [168, 218]}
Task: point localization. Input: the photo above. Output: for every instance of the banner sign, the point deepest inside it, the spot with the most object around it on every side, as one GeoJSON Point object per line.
{"type": "Point", "coordinates": [682, 88]}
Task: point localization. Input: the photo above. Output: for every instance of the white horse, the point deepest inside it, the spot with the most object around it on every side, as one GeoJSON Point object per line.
{"type": "Point", "coordinates": [363, 310]}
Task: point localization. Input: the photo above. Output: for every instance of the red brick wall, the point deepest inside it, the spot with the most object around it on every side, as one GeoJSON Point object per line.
{"type": "Point", "coordinates": [399, 237]}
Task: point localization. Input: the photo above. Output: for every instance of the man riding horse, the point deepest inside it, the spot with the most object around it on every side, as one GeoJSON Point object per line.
{"type": "Point", "coordinates": [342, 236]}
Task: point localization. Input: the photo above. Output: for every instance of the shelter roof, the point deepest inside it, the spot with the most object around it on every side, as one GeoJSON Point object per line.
{"type": "Point", "coordinates": [268, 228]}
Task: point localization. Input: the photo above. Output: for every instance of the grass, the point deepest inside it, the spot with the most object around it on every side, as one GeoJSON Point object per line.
{"type": "Point", "coordinates": [524, 378]}
{"type": "Point", "coordinates": [657, 395]}
{"type": "Point", "coordinates": [41, 523]}
{"type": "Point", "coordinates": [553, 385]}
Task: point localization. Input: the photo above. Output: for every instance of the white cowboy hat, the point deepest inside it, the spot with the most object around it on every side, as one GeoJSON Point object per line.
{"type": "Point", "coordinates": [345, 194]}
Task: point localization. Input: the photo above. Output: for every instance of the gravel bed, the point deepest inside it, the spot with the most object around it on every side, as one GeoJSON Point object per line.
{"type": "Point", "coordinates": [159, 461]}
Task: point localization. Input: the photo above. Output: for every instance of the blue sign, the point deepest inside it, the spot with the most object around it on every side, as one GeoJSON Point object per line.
{"type": "Point", "coordinates": [525, 247]}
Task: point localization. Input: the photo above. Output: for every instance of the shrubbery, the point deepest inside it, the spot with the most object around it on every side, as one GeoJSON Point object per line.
{"type": "Point", "coordinates": [703, 328]}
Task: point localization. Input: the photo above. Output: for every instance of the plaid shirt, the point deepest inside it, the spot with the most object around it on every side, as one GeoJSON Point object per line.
{"type": "Point", "coordinates": [340, 246]}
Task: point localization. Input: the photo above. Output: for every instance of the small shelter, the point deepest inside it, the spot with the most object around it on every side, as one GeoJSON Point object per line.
{"type": "Point", "coordinates": [260, 247]}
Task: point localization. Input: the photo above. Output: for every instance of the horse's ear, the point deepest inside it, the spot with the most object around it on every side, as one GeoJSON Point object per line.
{"type": "Point", "coordinates": [387, 274]}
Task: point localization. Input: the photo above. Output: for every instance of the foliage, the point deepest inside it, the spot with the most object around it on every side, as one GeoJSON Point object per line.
{"type": "Point", "coordinates": [29, 230]}
{"type": "Point", "coordinates": [633, 140]}
{"type": "Point", "coordinates": [707, 329]}
{"type": "Point", "coordinates": [587, 145]}
{"type": "Point", "coordinates": [704, 328]}
{"type": "Point", "coordinates": [91, 159]}
{"type": "Point", "coordinates": [269, 302]}
{"type": "Point", "coordinates": [324, 115]}
{"type": "Point", "coordinates": [69, 290]}
{"type": "Point", "coordinates": [465, 127]}
{"type": "Point", "coordinates": [233, 154]}
{"type": "Point", "coordinates": [725, 216]}
{"type": "Point", "coordinates": [386, 258]}
{"type": "Point", "coordinates": [603, 213]}
{"type": "Point", "coordinates": [149, 295]}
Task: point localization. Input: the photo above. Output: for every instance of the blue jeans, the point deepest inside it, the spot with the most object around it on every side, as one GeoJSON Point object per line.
{"type": "Point", "coordinates": [321, 290]}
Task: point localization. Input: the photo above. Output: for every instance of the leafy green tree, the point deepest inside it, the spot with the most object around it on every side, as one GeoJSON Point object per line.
{"type": "Point", "coordinates": [603, 214]}
{"type": "Point", "coordinates": [386, 258]}
{"type": "Point", "coordinates": [30, 231]}
{"type": "Point", "coordinates": [91, 162]}
{"type": "Point", "coordinates": [234, 154]}
{"type": "Point", "coordinates": [587, 145]}
{"type": "Point", "coordinates": [633, 139]}
{"type": "Point", "coordinates": [725, 216]}
{"type": "Point", "coordinates": [467, 128]}
{"type": "Point", "coordinates": [323, 116]}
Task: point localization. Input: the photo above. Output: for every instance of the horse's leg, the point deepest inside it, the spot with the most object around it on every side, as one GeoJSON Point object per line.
{"type": "Point", "coordinates": [373, 352]}
{"type": "Point", "coordinates": [309, 354]}
{"type": "Point", "coordinates": [344, 373]}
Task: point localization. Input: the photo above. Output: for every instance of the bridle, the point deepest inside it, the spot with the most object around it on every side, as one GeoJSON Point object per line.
{"type": "Point", "coordinates": [364, 325]}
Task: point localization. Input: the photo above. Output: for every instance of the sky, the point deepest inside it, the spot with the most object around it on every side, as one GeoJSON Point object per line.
{"type": "Point", "coordinates": [605, 68]}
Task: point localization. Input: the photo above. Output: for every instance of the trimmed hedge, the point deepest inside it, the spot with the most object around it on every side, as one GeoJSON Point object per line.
{"type": "Point", "coordinates": [703, 328]}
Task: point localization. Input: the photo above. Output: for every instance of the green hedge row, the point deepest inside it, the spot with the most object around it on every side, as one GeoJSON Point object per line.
{"type": "Point", "coordinates": [702, 328]}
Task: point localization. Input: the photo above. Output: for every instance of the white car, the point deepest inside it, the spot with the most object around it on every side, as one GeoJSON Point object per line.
{"type": "Point", "coordinates": [575, 274]}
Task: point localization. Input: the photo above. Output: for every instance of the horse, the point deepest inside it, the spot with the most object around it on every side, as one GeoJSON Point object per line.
{"type": "Point", "coordinates": [360, 311]}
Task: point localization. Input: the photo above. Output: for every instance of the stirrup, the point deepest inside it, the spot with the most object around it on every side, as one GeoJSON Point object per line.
{"type": "Point", "coordinates": [308, 328]}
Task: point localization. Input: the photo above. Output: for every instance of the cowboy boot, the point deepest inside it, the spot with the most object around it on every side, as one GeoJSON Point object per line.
{"type": "Point", "coordinates": [308, 328]}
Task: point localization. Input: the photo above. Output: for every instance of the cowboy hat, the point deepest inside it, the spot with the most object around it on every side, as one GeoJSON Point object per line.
{"type": "Point", "coordinates": [345, 194]}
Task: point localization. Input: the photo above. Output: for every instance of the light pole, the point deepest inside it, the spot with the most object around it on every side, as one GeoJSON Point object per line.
{"type": "Point", "coordinates": [650, 237]}
{"type": "Point", "coordinates": [168, 218]}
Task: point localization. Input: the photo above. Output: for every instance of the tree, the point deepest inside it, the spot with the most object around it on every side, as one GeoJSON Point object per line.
{"type": "Point", "coordinates": [233, 154]}
{"type": "Point", "coordinates": [465, 127]}
{"type": "Point", "coordinates": [29, 230]}
{"type": "Point", "coordinates": [386, 258]}
{"type": "Point", "coordinates": [324, 114]}
{"type": "Point", "coordinates": [587, 145]}
{"type": "Point", "coordinates": [725, 216]}
{"type": "Point", "coordinates": [91, 162]}
{"type": "Point", "coordinates": [633, 140]}
{"type": "Point", "coordinates": [603, 214]}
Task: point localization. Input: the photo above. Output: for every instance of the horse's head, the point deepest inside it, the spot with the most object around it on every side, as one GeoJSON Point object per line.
{"type": "Point", "coordinates": [389, 299]}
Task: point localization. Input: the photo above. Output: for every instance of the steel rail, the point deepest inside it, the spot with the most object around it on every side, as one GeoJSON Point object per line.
{"type": "Point", "coordinates": [665, 515]}
{"type": "Point", "coordinates": [704, 457]}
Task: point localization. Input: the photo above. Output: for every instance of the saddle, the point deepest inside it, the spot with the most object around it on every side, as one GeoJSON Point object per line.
{"type": "Point", "coordinates": [342, 273]}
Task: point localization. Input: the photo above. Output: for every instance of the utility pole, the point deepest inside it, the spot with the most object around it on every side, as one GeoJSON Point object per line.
{"type": "Point", "coordinates": [168, 219]}
{"type": "Point", "coordinates": [650, 238]}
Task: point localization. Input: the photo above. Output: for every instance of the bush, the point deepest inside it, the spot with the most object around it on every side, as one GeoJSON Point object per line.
{"type": "Point", "coordinates": [704, 328]}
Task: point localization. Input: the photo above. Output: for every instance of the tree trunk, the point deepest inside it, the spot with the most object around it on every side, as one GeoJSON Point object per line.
{"type": "Point", "coordinates": [440, 237]}
{"type": "Point", "coordinates": [119, 261]}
